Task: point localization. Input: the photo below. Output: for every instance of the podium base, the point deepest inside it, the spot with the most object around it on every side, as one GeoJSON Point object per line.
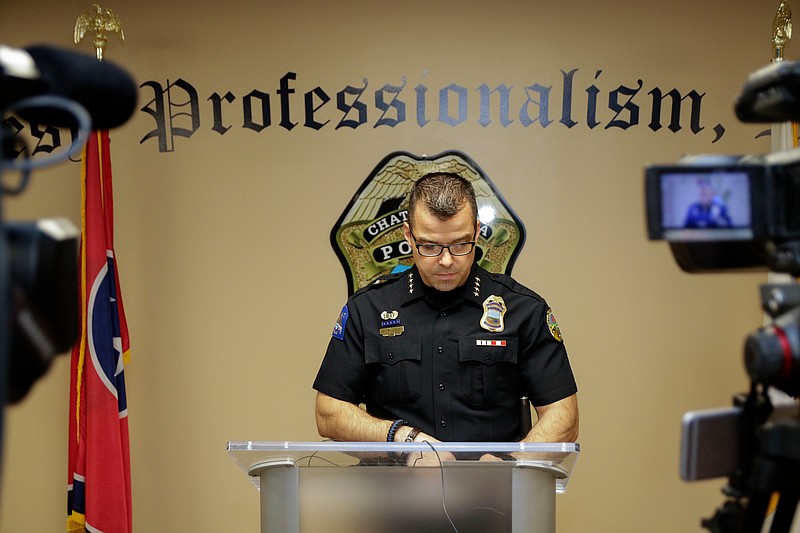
{"type": "Point", "coordinates": [479, 497]}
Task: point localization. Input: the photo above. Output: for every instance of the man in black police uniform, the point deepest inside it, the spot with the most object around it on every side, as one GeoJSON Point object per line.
{"type": "Point", "coordinates": [445, 350]}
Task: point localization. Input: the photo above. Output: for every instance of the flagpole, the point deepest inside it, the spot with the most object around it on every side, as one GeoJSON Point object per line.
{"type": "Point", "coordinates": [783, 138]}
{"type": "Point", "coordinates": [99, 484]}
{"type": "Point", "coordinates": [783, 134]}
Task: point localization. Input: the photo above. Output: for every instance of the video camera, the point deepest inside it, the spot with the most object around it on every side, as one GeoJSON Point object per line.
{"type": "Point", "coordinates": [39, 284]}
{"type": "Point", "coordinates": [735, 213]}
{"type": "Point", "coordinates": [728, 213]}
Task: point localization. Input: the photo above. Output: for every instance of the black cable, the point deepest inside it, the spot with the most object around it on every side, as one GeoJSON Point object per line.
{"type": "Point", "coordinates": [441, 471]}
{"type": "Point", "coordinates": [314, 455]}
{"type": "Point", "coordinates": [84, 124]}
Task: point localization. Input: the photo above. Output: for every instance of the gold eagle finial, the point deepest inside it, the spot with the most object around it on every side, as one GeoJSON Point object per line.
{"type": "Point", "coordinates": [101, 21]}
{"type": "Point", "coordinates": [782, 29]}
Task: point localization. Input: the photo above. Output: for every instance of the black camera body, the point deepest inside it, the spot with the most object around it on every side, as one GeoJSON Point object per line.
{"type": "Point", "coordinates": [727, 212]}
{"type": "Point", "coordinates": [723, 213]}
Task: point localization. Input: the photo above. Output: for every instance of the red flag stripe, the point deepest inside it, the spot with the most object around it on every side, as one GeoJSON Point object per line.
{"type": "Point", "coordinates": [99, 495]}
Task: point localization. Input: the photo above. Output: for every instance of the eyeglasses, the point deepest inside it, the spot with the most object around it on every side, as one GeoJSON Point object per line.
{"type": "Point", "coordinates": [432, 250]}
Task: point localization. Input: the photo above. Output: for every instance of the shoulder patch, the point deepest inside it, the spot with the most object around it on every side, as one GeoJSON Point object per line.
{"type": "Point", "coordinates": [341, 324]}
{"type": "Point", "coordinates": [552, 325]}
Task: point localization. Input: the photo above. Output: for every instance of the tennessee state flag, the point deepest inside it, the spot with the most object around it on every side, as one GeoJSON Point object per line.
{"type": "Point", "coordinates": [99, 482]}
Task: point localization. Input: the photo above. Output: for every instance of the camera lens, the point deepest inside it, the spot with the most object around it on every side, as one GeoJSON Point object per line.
{"type": "Point", "coordinates": [772, 358]}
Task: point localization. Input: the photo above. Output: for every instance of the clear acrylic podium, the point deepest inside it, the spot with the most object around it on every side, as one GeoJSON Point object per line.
{"type": "Point", "coordinates": [370, 487]}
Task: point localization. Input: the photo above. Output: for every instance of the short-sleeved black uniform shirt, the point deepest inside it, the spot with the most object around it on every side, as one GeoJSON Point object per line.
{"type": "Point", "coordinates": [455, 364]}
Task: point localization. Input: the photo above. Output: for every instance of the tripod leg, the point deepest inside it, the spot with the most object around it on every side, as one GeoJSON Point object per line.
{"type": "Point", "coordinates": [755, 513]}
{"type": "Point", "coordinates": [784, 514]}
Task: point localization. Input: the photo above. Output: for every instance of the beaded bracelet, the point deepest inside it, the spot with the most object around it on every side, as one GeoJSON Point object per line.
{"type": "Point", "coordinates": [394, 427]}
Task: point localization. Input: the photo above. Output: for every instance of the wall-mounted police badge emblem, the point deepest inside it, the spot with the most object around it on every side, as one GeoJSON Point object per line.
{"type": "Point", "coordinates": [494, 309]}
{"type": "Point", "coordinates": [368, 237]}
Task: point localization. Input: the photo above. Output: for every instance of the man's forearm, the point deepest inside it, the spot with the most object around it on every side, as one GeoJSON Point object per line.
{"type": "Point", "coordinates": [344, 421]}
{"type": "Point", "coordinates": [558, 422]}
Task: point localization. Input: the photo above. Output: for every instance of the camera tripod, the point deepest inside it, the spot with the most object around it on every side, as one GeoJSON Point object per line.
{"type": "Point", "coordinates": [769, 449]}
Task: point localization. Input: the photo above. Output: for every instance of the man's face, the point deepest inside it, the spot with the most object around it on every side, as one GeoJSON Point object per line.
{"type": "Point", "coordinates": [706, 194]}
{"type": "Point", "coordinates": [444, 272]}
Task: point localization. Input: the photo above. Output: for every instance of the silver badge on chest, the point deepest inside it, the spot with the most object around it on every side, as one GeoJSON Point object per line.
{"type": "Point", "coordinates": [494, 309]}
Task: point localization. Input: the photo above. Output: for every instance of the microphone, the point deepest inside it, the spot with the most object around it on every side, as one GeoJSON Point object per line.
{"type": "Point", "coordinates": [105, 90]}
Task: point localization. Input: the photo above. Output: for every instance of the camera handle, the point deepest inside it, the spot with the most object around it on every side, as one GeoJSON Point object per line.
{"type": "Point", "coordinates": [769, 462]}
{"type": "Point", "coordinates": [756, 409]}
{"type": "Point", "coordinates": [776, 470]}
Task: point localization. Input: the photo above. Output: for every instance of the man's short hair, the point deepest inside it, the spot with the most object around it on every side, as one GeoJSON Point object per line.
{"type": "Point", "coordinates": [443, 194]}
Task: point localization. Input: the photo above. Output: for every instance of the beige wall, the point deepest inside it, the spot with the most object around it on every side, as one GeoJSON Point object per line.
{"type": "Point", "coordinates": [231, 286]}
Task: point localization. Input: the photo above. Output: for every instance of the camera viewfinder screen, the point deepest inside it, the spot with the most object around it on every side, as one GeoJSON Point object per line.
{"type": "Point", "coordinates": [706, 206]}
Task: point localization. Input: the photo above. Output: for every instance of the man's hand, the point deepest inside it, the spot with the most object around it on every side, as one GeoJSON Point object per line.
{"type": "Point", "coordinates": [426, 458]}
